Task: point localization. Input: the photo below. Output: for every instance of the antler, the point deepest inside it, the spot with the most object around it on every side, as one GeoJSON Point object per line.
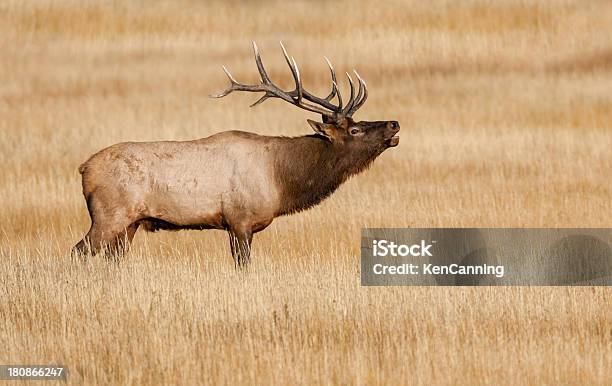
{"type": "Point", "coordinates": [299, 96]}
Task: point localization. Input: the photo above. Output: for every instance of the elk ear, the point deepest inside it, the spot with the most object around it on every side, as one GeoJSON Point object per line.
{"type": "Point", "coordinates": [324, 129]}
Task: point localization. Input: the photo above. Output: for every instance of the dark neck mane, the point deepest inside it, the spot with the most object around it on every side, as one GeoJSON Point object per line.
{"type": "Point", "coordinates": [310, 168]}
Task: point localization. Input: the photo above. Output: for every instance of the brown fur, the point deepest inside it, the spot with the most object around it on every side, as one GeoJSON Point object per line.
{"type": "Point", "coordinates": [235, 181]}
{"type": "Point", "coordinates": [309, 169]}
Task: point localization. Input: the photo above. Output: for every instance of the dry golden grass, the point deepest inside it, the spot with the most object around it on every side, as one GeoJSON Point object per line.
{"type": "Point", "coordinates": [506, 110]}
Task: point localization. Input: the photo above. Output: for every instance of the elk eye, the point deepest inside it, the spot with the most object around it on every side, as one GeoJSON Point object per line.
{"type": "Point", "coordinates": [354, 131]}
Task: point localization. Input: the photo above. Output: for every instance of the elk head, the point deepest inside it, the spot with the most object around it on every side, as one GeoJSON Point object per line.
{"type": "Point", "coordinates": [337, 124]}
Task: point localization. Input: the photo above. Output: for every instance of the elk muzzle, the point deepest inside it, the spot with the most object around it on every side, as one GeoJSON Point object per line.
{"type": "Point", "coordinates": [393, 128]}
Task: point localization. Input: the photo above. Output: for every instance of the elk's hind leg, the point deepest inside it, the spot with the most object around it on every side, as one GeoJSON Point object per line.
{"type": "Point", "coordinates": [113, 244]}
{"type": "Point", "coordinates": [111, 232]}
{"type": "Point", "coordinates": [117, 244]}
{"type": "Point", "coordinates": [240, 242]}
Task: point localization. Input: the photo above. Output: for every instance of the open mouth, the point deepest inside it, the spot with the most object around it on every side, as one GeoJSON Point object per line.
{"type": "Point", "coordinates": [393, 141]}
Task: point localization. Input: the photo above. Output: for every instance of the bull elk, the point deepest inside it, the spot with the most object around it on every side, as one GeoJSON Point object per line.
{"type": "Point", "coordinates": [234, 180]}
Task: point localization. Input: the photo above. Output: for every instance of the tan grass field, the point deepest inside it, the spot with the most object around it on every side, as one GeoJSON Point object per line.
{"type": "Point", "coordinates": [506, 114]}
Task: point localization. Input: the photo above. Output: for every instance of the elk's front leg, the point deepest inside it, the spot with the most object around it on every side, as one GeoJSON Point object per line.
{"type": "Point", "coordinates": [240, 242]}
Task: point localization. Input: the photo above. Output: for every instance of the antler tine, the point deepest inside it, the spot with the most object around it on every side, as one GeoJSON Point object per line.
{"type": "Point", "coordinates": [361, 101]}
{"type": "Point", "coordinates": [231, 78]}
{"type": "Point", "coordinates": [262, 71]}
{"type": "Point", "coordinates": [285, 53]}
{"type": "Point", "coordinates": [229, 89]}
{"type": "Point", "coordinates": [260, 100]}
{"type": "Point", "coordinates": [298, 81]}
{"type": "Point", "coordinates": [294, 71]}
{"type": "Point", "coordinates": [334, 90]}
{"type": "Point", "coordinates": [359, 93]}
{"type": "Point", "coordinates": [335, 85]}
{"type": "Point", "coordinates": [351, 101]}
